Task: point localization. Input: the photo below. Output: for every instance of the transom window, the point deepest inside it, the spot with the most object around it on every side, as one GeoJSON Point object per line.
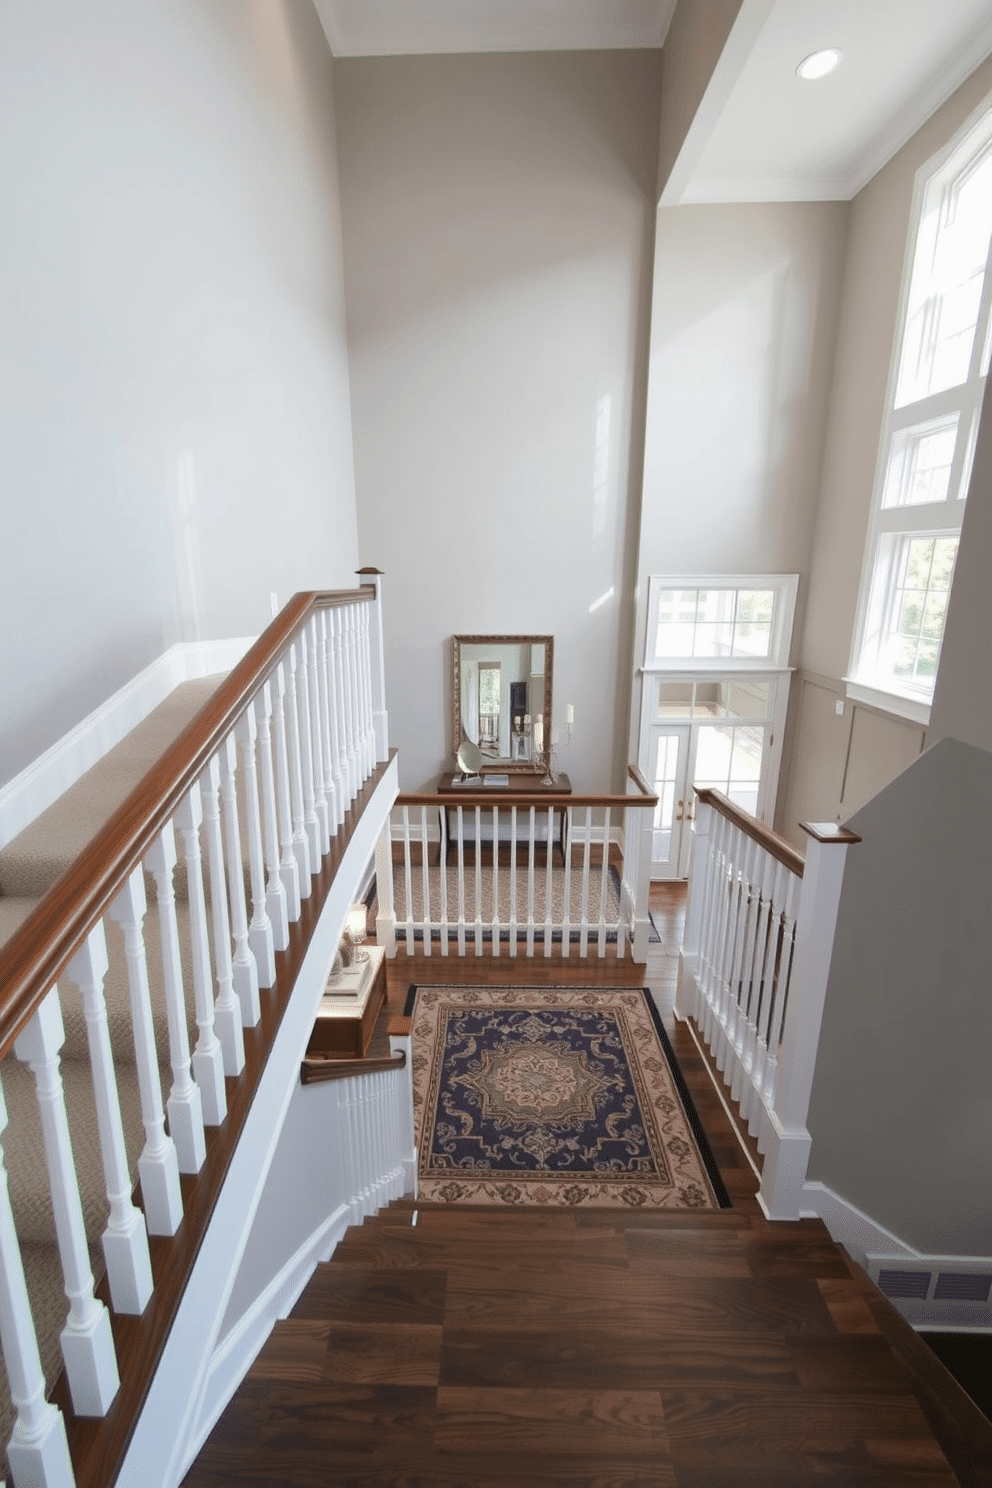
{"type": "Point", "coordinates": [939, 365]}
{"type": "Point", "coordinates": [721, 620]}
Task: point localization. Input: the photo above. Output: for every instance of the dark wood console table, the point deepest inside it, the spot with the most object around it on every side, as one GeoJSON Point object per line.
{"type": "Point", "coordinates": [452, 792]}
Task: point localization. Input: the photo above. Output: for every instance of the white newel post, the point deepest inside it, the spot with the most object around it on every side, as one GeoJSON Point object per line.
{"type": "Point", "coordinates": [86, 1340]}
{"type": "Point", "coordinates": [125, 1240]}
{"type": "Point", "coordinates": [158, 1165]}
{"type": "Point", "coordinates": [38, 1452]}
{"type": "Point", "coordinates": [788, 1147]}
{"type": "Point", "coordinates": [377, 658]}
{"type": "Point", "coordinates": [699, 876]}
{"type": "Point", "coordinates": [385, 919]}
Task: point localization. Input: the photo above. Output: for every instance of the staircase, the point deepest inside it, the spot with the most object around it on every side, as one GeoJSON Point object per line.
{"type": "Point", "coordinates": [479, 1348]}
{"type": "Point", "coordinates": [29, 866]}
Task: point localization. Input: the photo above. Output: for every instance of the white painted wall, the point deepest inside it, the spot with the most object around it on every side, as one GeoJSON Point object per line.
{"type": "Point", "coordinates": [742, 342]}
{"type": "Point", "coordinates": [901, 1108]}
{"type": "Point", "coordinates": [174, 406]}
{"type": "Point", "coordinates": [498, 216]}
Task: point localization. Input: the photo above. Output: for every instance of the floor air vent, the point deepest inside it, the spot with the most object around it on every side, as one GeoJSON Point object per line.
{"type": "Point", "coordinates": [904, 1283]}
{"type": "Point", "coordinates": [962, 1286]}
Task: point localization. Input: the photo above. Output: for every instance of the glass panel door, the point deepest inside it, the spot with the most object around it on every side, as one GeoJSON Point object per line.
{"type": "Point", "coordinates": [669, 758]}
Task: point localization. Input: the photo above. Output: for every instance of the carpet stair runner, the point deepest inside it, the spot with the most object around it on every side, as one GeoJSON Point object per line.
{"type": "Point", "coordinates": [29, 866]}
{"type": "Point", "coordinates": [472, 1349]}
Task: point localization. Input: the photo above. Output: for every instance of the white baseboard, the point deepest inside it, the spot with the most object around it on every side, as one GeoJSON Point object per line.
{"type": "Point", "coordinates": [937, 1292]}
{"type": "Point", "coordinates": [235, 1354]}
{"type": "Point", "coordinates": [46, 778]}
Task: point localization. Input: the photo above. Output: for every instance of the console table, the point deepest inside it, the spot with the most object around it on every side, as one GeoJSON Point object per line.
{"type": "Point", "coordinates": [451, 787]}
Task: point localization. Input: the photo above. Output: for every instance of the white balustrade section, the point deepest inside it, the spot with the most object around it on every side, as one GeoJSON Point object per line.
{"type": "Point", "coordinates": [752, 976]}
{"type": "Point", "coordinates": [550, 889]}
{"type": "Point", "coordinates": [254, 824]}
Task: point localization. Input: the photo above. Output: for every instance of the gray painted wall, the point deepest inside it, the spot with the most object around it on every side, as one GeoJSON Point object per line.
{"type": "Point", "coordinates": [175, 436]}
{"type": "Point", "coordinates": [498, 220]}
{"type": "Point", "coordinates": [901, 1109]}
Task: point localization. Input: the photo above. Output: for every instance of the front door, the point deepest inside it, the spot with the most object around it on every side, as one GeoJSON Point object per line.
{"type": "Point", "coordinates": [668, 772]}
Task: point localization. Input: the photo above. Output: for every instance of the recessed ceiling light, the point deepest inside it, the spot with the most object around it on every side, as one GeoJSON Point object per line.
{"type": "Point", "coordinates": [818, 64]}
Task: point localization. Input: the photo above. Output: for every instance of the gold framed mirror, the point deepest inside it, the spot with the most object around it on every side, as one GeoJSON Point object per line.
{"type": "Point", "coordinates": [496, 682]}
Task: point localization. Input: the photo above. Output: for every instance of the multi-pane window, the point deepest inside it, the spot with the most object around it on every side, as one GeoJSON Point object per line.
{"type": "Point", "coordinates": [940, 361]}
{"type": "Point", "coordinates": [740, 620]}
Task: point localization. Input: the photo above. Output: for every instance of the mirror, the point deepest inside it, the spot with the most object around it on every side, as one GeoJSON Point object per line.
{"type": "Point", "coordinates": [495, 682]}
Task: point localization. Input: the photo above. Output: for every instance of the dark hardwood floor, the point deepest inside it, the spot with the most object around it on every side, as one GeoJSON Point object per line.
{"type": "Point", "coordinates": [482, 1348]}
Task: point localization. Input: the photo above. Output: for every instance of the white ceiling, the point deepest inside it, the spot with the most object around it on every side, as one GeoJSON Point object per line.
{"type": "Point", "coordinates": [760, 133]}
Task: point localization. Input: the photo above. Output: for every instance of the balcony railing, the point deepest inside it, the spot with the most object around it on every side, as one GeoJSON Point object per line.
{"type": "Point", "coordinates": [753, 971]}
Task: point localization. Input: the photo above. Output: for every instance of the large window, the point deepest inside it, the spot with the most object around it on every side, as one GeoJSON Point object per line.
{"type": "Point", "coordinates": [725, 620]}
{"type": "Point", "coordinates": [939, 365]}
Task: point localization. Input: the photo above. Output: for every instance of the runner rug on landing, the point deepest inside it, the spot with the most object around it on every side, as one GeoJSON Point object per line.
{"type": "Point", "coordinates": [553, 1096]}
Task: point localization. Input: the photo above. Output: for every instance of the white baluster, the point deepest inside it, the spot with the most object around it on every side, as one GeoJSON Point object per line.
{"type": "Point", "coordinates": [260, 930]}
{"type": "Point", "coordinates": [442, 859]}
{"type": "Point", "coordinates": [495, 915]}
{"type": "Point", "coordinates": [513, 880]}
{"type": "Point", "coordinates": [158, 1165]}
{"type": "Point", "coordinates": [243, 962]}
{"type": "Point", "coordinates": [425, 884]}
{"type": "Point", "coordinates": [227, 1009]}
{"type": "Point", "coordinates": [531, 850]}
{"type": "Point", "coordinates": [460, 820]}
{"type": "Point", "coordinates": [289, 870]}
{"type": "Point", "coordinates": [184, 1104]}
{"type": "Point", "coordinates": [332, 662]}
{"type": "Point", "coordinates": [584, 900]}
{"type": "Point", "coordinates": [308, 642]}
{"type": "Point", "coordinates": [549, 869]}
{"type": "Point", "coordinates": [604, 872]}
{"type": "Point", "coordinates": [343, 779]}
{"type": "Point", "coordinates": [324, 713]}
{"type": "Point", "coordinates": [308, 760]}
{"type": "Point", "coordinates": [408, 881]}
{"type": "Point", "coordinates": [38, 1451]}
{"type": "Point", "coordinates": [301, 842]}
{"type": "Point", "coordinates": [86, 1340]}
{"type": "Point", "coordinates": [478, 880]}
{"type": "Point", "coordinates": [365, 678]}
{"type": "Point", "coordinates": [275, 891]}
{"type": "Point", "coordinates": [351, 673]}
{"type": "Point", "coordinates": [208, 1056]}
{"type": "Point", "coordinates": [125, 1240]}
{"type": "Point", "coordinates": [566, 913]}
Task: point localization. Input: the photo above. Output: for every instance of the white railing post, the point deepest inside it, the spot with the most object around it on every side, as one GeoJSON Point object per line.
{"type": "Point", "coordinates": [125, 1239]}
{"type": "Point", "coordinates": [403, 1044]}
{"type": "Point", "coordinates": [208, 1056]}
{"type": "Point", "coordinates": [243, 962]}
{"type": "Point", "coordinates": [185, 1106]}
{"type": "Point", "coordinates": [377, 661]}
{"type": "Point", "coordinates": [227, 1009]}
{"type": "Point", "coordinates": [86, 1340]}
{"type": "Point", "coordinates": [38, 1452]}
{"type": "Point", "coordinates": [385, 918]}
{"type": "Point", "coordinates": [260, 928]}
{"type": "Point", "coordinates": [787, 1154]}
{"type": "Point", "coordinates": [275, 890]}
{"type": "Point", "coordinates": [158, 1165]}
{"type": "Point", "coordinates": [636, 886]}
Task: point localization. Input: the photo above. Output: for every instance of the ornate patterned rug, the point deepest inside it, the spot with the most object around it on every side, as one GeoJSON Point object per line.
{"type": "Point", "coordinates": [554, 1096]}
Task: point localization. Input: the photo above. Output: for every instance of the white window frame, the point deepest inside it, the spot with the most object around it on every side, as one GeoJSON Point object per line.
{"type": "Point", "coordinates": [867, 681]}
{"type": "Point", "coordinates": [784, 587]}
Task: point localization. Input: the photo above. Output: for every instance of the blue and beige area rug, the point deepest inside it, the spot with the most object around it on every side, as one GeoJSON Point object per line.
{"type": "Point", "coordinates": [568, 1097]}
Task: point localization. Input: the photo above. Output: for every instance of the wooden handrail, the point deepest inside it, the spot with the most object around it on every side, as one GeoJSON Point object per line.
{"type": "Point", "coordinates": [777, 847]}
{"type": "Point", "coordinates": [39, 950]}
{"type": "Point", "coordinates": [507, 797]}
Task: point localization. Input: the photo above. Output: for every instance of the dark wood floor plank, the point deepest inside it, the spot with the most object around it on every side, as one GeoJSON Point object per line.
{"type": "Point", "coordinates": [627, 1424]}
{"type": "Point", "coordinates": [350, 1294]}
